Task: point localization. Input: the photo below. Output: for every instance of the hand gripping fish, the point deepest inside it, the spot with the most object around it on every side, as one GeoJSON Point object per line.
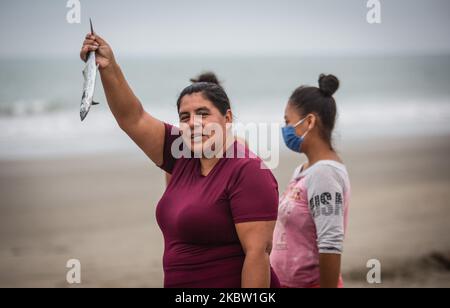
{"type": "Point", "coordinates": [89, 74]}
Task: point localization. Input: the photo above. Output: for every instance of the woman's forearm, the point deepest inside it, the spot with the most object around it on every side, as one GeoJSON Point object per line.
{"type": "Point", "coordinates": [330, 269]}
{"type": "Point", "coordinates": [256, 270]}
{"type": "Point", "coordinates": [124, 105]}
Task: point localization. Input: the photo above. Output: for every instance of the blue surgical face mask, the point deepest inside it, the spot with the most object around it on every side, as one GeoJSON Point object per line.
{"type": "Point", "coordinates": [291, 139]}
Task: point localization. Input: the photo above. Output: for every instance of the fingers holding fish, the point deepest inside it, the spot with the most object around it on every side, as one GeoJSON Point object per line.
{"type": "Point", "coordinates": [83, 53]}
{"type": "Point", "coordinates": [90, 47]}
{"type": "Point", "coordinates": [90, 36]}
{"type": "Point", "coordinates": [85, 50]}
{"type": "Point", "coordinates": [103, 53]}
{"type": "Point", "coordinates": [99, 39]}
{"type": "Point", "coordinates": [90, 42]}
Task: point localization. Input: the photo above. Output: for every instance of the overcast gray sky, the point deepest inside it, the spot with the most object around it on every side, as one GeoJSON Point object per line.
{"type": "Point", "coordinates": [213, 27]}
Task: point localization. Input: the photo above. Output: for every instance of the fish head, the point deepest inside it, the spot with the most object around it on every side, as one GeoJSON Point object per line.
{"type": "Point", "coordinates": [84, 112]}
{"type": "Point", "coordinates": [85, 106]}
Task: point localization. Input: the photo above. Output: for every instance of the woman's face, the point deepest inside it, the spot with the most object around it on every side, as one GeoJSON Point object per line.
{"type": "Point", "coordinates": [305, 124]}
{"type": "Point", "coordinates": [292, 117]}
{"type": "Point", "coordinates": [202, 124]}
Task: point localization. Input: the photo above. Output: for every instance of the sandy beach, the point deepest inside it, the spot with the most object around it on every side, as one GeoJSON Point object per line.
{"type": "Point", "coordinates": [81, 190]}
{"type": "Point", "coordinates": [101, 210]}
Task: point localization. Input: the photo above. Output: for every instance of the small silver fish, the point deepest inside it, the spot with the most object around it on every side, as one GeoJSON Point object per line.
{"type": "Point", "coordinates": [89, 74]}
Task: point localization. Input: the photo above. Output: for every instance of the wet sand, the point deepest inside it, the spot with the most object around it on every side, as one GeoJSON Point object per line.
{"type": "Point", "coordinates": [101, 210]}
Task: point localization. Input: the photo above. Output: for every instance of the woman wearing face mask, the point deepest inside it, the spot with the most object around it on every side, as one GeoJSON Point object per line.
{"type": "Point", "coordinates": [309, 233]}
{"type": "Point", "coordinates": [217, 214]}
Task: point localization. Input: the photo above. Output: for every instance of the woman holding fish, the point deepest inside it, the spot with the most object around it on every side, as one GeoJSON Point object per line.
{"type": "Point", "coordinates": [217, 214]}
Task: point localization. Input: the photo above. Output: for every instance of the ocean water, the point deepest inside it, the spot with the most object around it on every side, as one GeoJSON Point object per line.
{"type": "Point", "coordinates": [379, 97]}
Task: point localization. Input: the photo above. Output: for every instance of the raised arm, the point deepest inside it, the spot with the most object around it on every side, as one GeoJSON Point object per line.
{"type": "Point", "coordinates": [146, 131]}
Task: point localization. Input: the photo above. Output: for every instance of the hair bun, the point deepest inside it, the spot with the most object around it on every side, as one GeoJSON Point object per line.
{"type": "Point", "coordinates": [328, 84]}
{"type": "Point", "coordinates": [209, 77]}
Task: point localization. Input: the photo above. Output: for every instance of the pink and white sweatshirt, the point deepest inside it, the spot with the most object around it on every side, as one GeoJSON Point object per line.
{"type": "Point", "coordinates": [312, 219]}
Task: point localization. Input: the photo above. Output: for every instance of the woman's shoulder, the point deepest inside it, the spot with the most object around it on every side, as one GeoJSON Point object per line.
{"type": "Point", "coordinates": [328, 165]}
{"type": "Point", "coordinates": [246, 164]}
{"type": "Point", "coordinates": [326, 170]}
{"type": "Point", "coordinates": [244, 158]}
